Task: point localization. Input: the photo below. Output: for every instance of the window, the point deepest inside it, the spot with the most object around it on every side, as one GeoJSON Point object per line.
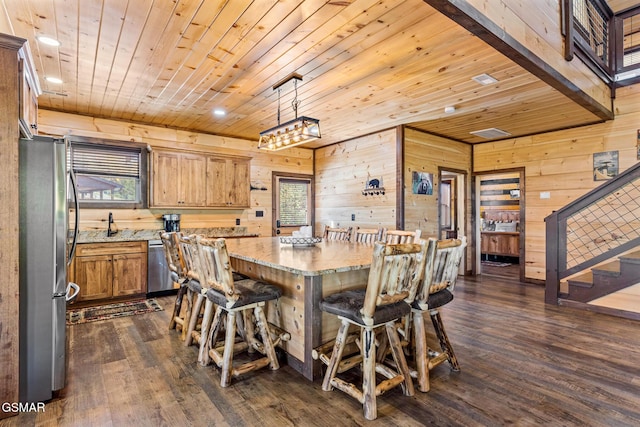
{"type": "Point", "coordinates": [294, 202]}
{"type": "Point", "coordinates": [109, 174]}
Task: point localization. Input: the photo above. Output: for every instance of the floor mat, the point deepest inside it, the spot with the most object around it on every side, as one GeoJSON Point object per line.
{"type": "Point", "coordinates": [112, 311]}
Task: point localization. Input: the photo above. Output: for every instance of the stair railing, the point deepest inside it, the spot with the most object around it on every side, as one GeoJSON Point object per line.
{"type": "Point", "coordinates": [599, 225]}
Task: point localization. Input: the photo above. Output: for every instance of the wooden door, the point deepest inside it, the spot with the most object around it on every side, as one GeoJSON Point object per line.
{"type": "Point", "coordinates": [129, 274]}
{"type": "Point", "coordinates": [94, 275]}
{"type": "Point", "coordinates": [293, 203]}
{"type": "Point", "coordinates": [165, 184]}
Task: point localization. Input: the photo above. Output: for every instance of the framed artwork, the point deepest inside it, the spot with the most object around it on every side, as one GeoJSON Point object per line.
{"type": "Point", "coordinates": [605, 165]}
{"type": "Point", "coordinates": [422, 183]}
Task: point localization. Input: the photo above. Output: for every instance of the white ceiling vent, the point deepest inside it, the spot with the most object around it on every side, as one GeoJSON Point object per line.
{"type": "Point", "coordinates": [490, 133]}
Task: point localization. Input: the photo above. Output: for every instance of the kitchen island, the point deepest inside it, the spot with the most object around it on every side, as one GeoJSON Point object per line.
{"type": "Point", "coordinates": [305, 275]}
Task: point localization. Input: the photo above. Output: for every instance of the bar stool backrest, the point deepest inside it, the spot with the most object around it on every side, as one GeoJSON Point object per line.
{"type": "Point", "coordinates": [189, 251]}
{"type": "Point", "coordinates": [216, 267]}
{"type": "Point", "coordinates": [401, 236]}
{"type": "Point", "coordinates": [172, 253]}
{"type": "Point", "coordinates": [367, 235]}
{"type": "Point", "coordinates": [444, 273]}
{"type": "Point", "coordinates": [395, 274]}
{"type": "Point", "coordinates": [332, 233]}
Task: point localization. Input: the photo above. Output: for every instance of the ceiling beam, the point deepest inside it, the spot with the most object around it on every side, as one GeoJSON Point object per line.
{"type": "Point", "coordinates": [461, 12]}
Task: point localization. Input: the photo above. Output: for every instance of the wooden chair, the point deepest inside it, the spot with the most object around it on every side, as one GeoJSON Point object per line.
{"type": "Point", "coordinates": [367, 235]}
{"type": "Point", "coordinates": [331, 233]}
{"type": "Point", "coordinates": [177, 273]}
{"type": "Point", "coordinates": [394, 276]}
{"type": "Point", "coordinates": [401, 236]}
{"type": "Point", "coordinates": [435, 291]}
{"type": "Point", "coordinates": [247, 298]}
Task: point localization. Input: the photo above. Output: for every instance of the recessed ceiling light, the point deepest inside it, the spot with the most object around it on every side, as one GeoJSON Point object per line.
{"type": "Point", "coordinates": [219, 112]}
{"type": "Point", "coordinates": [53, 80]}
{"type": "Point", "coordinates": [449, 110]}
{"type": "Point", "coordinates": [490, 133]}
{"type": "Point", "coordinates": [484, 79]}
{"type": "Point", "coordinates": [48, 41]}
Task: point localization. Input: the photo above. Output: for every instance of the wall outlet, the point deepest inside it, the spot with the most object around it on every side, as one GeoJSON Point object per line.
{"type": "Point", "coordinates": [545, 195]}
{"type": "Point", "coordinates": [259, 214]}
{"type": "Point", "coordinates": [353, 217]}
{"type": "Point", "coordinates": [237, 221]}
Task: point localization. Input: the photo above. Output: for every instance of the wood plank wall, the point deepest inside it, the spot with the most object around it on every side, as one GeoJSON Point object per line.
{"type": "Point", "coordinates": [561, 163]}
{"type": "Point", "coordinates": [341, 171]}
{"type": "Point", "coordinates": [9, 231]}
{"type": "Point", "coordinates": [428, 153]}
{"type": "Point", "coordinates": [295, 160]}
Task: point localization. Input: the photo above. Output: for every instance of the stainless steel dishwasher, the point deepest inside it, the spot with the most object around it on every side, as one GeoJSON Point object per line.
{"type": "Point", "coordinates": [158, 279]}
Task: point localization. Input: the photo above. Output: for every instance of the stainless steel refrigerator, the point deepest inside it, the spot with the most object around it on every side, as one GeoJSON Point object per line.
{"type": "Point", "coordinates": [46, 248]}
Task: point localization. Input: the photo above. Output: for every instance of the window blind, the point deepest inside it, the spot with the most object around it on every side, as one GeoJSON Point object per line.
{"type": "Point", "coordinates": [105, 160]}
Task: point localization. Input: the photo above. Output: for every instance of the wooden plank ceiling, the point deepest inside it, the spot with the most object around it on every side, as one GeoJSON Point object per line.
{"type": "Point", "coordinates": [367, 65]}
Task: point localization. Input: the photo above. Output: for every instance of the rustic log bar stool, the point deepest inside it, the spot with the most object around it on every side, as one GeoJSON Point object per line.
{"type": "Point", "coordinates": [401, 236]}
{"type": "Point", "coordinates": [332, 233]}
{"type": "Point", "coordinates": [367, 235]}
{"type": "Point", "coordinates": [394, 276]}
{"type": "Point", "coordinates": [247, 298]}
{"type": "Point", "coordinates": [177, 274]}
{"type": "Point", "coordinates": [194, 293]}
{"type": "Point", "coordinates": [435, 291]}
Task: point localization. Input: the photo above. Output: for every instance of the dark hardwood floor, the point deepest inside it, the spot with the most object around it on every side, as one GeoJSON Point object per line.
{"type": "Point", "coordinates": [523, 363]}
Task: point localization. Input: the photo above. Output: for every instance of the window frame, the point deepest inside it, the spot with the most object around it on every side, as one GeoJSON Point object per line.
{"type": "Point", "coordinates": [142, 203]}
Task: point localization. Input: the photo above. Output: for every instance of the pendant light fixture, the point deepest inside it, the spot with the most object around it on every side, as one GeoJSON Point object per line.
{"type": "Point", "coordinates": [294, 132]}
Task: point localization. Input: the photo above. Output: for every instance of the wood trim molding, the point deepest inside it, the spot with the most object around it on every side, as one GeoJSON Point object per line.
{"type": "Point", "coordinates": [478, 24]}
{"type": "Point", "coordinates": [400, 178]}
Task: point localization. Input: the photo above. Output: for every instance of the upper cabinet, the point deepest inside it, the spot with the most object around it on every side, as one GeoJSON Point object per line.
{"type": "Point", "coordinates": [29, 91]}
{"type": "Point", "coordinates": [199, 180]}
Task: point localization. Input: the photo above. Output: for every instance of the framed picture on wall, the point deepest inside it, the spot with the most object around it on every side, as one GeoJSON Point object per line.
{"type": "Point", "coordinates": [422, 183]}
{"type": "Point", "coordinates": [605, 165]}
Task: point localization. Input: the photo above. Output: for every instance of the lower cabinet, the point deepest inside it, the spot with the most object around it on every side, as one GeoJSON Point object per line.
{"type": "Point", "coordinates": [110, 270]}
{"type": "Point", "coordinates": [497, 243]}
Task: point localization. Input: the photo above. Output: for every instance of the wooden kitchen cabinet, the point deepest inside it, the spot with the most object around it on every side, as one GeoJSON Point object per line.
{"type": "Point", "coordinates": [500, 243]}
{"type": "Point", "coordinates": [227, 182]}
{"type": "Point", "coordinates": [110, 270]}
{"type": "Point", "coordinates": [179, 179]}
{"type": "Point", "coordinates": [199, 180]}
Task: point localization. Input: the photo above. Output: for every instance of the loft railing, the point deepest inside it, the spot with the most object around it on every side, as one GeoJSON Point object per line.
{"type": "Point", "coordinates": [598, 226]}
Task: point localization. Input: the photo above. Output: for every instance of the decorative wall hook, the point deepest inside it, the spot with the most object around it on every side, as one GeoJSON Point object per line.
{"type": "Point", "coordinates": [373, 187]}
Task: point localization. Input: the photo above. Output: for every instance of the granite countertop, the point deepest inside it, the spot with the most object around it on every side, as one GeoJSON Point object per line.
{"type": "Point", "coordinates": [326, 257]}
{"type": "Point", "coordinates": [127, 235]}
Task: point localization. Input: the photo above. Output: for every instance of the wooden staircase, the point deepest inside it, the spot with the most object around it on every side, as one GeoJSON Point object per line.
{"type": "Point", "coordinates": [606, 278]}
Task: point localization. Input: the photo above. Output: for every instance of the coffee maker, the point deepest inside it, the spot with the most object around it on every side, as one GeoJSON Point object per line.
{"type": "Point", "coordinates": [171, 222]}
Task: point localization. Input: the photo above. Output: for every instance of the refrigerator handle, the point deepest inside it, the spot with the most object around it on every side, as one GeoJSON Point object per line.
{"type": "Point", "coordinates": [76, 230]}
{"type": "Point", "coordinates": [71, 297]}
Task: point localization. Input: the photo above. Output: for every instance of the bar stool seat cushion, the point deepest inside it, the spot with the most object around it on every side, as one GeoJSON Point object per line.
{"type": "Point", "coordinates": [251, 291]}
{"type": "Point", "coordinates": [436, 300]}
{"type": "Point", "coordinates": [194, 286]}
{"type": "Point", "coordinates": [347, 304]}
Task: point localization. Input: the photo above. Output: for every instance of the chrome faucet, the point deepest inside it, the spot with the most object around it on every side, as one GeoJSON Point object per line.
{"type": "Point", "coordinates": [110, 232]}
